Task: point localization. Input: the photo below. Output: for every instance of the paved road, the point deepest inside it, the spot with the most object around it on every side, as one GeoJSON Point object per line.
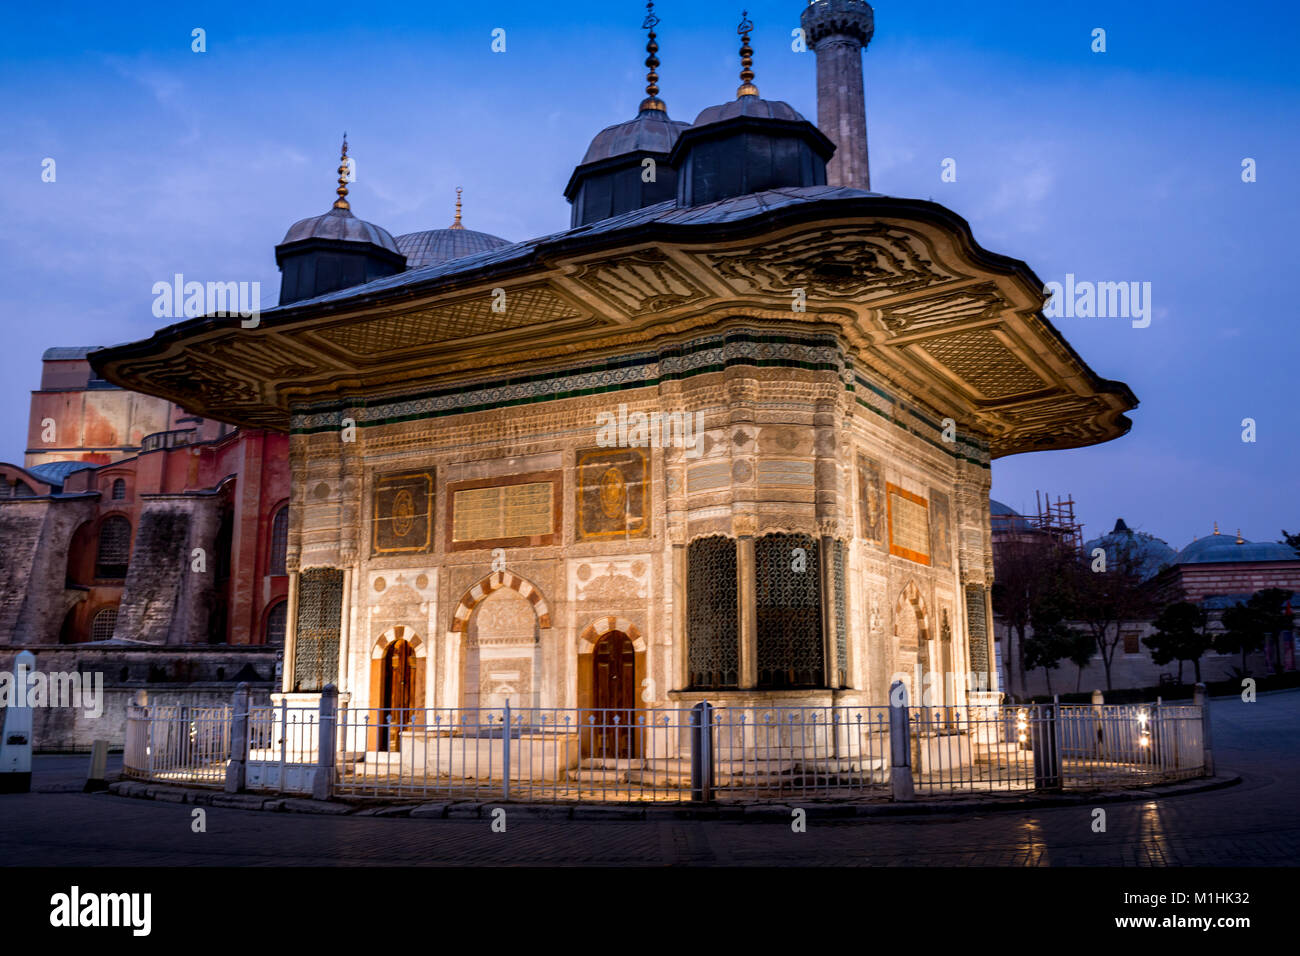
{"type": "Point", "coordinates": [1252, 824]}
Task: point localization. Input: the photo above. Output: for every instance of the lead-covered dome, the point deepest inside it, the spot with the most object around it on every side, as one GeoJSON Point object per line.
{"type": "Point", "coordinates": [335, 250]}
{"type": "Point", "coordinates": [650, 132]}
{"type": "Point", "coordinates": [342, 226]}
{"type": "Point", "coordinates": [1226, 549]}
{"type": "Point", "coordinates": [444, 245]}
{"type": "Point", "coordinates": [1150, 553]}
{"type": "Point", "coordinates": [748, 145]}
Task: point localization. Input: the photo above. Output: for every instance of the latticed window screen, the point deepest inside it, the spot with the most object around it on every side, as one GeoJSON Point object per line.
{"type": "Point", "coordinates": [119, 489]}
{"type": "Point", "coordinates": [275, 623]}
{"type": "Point", "coordinates": [101, 628]}
{"type": "Point", "coordinates": [841, 617]}
{"type": "Point", "coordinates": [977, 629]}
{"type": "Point", "coordinates": [788, 595]}
{"type": "Point", "coordinates": [279, 540]}
{"type": "Point", "coordinates": [712, 653]}
{"type": "Point", "coordinates": [316, 638]}
{"type": "Point", "coordinates": [114, 547]}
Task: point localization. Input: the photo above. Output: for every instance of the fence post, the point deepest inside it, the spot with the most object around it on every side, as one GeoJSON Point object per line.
{"type": "Point", "coordinates": [237, 768]}
{"type": "Point", "coordinates": [702, 752]}
{"type": "Point", "coordinates": [323, 785]}
{"type": "Point", "coordinates": [1202, 700]}
{"type": "Point", "coordinates": [1047, 756]}
{"type": "Point", "coordinates": [1098, 724]}
{"type": "Point", "coordinates": [900, 743]}
{"type": "Point", "coordinates": [505, 753]}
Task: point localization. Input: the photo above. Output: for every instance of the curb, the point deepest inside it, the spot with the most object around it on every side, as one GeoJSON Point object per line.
{"type": "Point", "coordinates": [743, 813]}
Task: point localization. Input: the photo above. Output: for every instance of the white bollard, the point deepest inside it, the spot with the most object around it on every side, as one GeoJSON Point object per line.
{"type": "Point", "coordinates": [16, 736]}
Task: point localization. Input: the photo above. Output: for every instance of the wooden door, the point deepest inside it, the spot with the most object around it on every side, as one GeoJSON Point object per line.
{"type": "Point", "coordinates": [614, 693]}
{"type": "Point", "coordinates": [399, 694]}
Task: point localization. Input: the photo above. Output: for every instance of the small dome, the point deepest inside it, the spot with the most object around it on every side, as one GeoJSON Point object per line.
{"type": "Point", "coordinates": [1224, 549]}
{"type": "Point", "coordinates": [443, 245]}
{"type": "Point", "coordinates": [1152, 553]}
{"type": "Point", "coordinates": [339, 224]}
{"type": "Point", "coordinates": [651, 132]}
{"type": "Point", "coordinates": [749, 106]}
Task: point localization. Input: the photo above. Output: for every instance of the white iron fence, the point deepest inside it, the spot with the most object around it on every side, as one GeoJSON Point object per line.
{"type": "Point", "coordinates": [669, 755]}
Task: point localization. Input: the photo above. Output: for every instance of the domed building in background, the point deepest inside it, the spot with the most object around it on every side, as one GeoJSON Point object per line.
{"type": "Point", "coordinates": [1150, 555]}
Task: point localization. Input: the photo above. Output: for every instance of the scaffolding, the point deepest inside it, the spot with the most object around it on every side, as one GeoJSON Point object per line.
{"type": "Point", "coordinates": [1056, 519]}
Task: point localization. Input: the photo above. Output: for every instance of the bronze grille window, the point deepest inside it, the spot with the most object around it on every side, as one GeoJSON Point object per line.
{"type": "Point", "coordinates": [119, 489]}
{"type": "Point", "coordinates": [114, 551]}
{"type": "Point", "coordinates": [713, 657]}
{"type": "Point", "coordinates": [316, 638]}
{"type": "Point", "coordinates": [279, 540]}
{"type": "Point", "coordinates": [788, 598]}
{"type": "Point", "coordinates": [977, 629]}
{"type": "Point", "coordinates": [841, 616]}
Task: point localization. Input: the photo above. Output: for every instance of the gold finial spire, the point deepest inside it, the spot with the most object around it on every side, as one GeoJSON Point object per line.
{"type": "Point", "coordinates": [456, 224]}
{"type": "Point", "coordinates": [342, 201]}
{"type": "Point", "coordinates": [652, 100]}
{"type": "Point", "coordinates": [747, 87]}
{"type": "Point", "coordinates": [1240, 539]}
{"type": "Point", "coordinates": [1216, 527]}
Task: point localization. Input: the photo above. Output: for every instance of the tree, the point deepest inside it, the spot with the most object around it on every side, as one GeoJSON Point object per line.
{"type": "Point", "coordinates": [1105, 598]}
{"type": "Point", "coordinates": [1030, 573]}
{"type": "Point", "coordinates": [1080, 650]}
{"type": "Point", "coordinates": [1240, 633]}
{"type": "Point", "coordinates": [1053, 639]}
{"type": "Point", "coordinates": [1292, 539]}
{"type": "Point", "coordinates": [1262, 619]}
{"type": "Point", "coordinates": [1181, 635]}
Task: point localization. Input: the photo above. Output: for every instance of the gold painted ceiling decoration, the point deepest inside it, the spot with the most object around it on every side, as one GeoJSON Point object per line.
{"type": "Point", "coordinates": [916, 301]}
{"type": "Point", "coordinates": [457, 320]}
{"type": "Point", "coordinates": [862, 264]}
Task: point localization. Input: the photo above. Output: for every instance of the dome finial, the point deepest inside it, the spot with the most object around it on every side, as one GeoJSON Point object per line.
{"type": "Point", "coordinates": [651, 101]}
{"type": "Point", "coordinates": [342, 201]}
{"type": "Point", "coordinates": [456, 224]}
{"type": "Point", "coordinates": [1240, 539]}
{"type": "Point", "coordinates": [1216, 527]}
{"type": "Point", "coordinates": [747, 87]}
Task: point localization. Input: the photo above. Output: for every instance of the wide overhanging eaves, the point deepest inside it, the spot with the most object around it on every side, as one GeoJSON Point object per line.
{"type": "Point", "coordinates": [918, 302]}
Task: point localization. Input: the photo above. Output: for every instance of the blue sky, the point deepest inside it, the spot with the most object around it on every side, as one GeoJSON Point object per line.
{"type": "Point", "coordinates": [1122, 166]}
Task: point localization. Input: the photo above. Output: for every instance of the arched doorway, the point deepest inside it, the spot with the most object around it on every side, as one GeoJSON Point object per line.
{"type": "Point", "coordinates": [398, 698]}
{"type": "Point", "coordinates": [397, 688]}
{"type": "Point", "coordinates": [613, 688]}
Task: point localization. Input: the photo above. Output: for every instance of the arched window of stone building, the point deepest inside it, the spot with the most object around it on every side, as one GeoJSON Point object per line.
{"type": "Point", "coordinates": [114, 552]}
{"type": "Point", "coordinates": [276, 622]}
{"type": "Point", "coordinates": [101, 628]}
{"type": "Point", "coordinates": [279, 540]}
{"type": "Point", "coordinates": [788, 597]}
{"type": "Point", "coordinates": [119, 489]}
{"type": "Point", "coordinates": [712, 652]}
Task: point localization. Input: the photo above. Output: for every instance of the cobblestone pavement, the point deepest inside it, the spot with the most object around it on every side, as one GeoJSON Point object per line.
{"type": "Point", "coordinates": [1251, 824]}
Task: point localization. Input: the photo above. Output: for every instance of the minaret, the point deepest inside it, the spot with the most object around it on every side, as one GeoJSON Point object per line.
{"type": "Point", "coordinates": [838, 31]}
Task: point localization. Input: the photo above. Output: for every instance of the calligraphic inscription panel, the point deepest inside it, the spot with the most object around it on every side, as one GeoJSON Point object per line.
{"type": "Point", "coordinates": [909, 525]}
{"type": "Point", "coordinates": [613, 494]}
{"type": "Point", "coordinates": [514, 511]}
{"type": "Point", "coordinates": [401, 514]}
{"type": "Point", "coordinates": [519, 511]}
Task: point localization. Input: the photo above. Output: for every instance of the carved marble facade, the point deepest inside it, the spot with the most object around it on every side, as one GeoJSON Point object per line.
{"type": "Point", "coordinates": [799, 441]}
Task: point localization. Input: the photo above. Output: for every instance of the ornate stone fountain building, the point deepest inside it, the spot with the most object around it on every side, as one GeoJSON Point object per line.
{"type": "Point", "coordinates": [464, 529]}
